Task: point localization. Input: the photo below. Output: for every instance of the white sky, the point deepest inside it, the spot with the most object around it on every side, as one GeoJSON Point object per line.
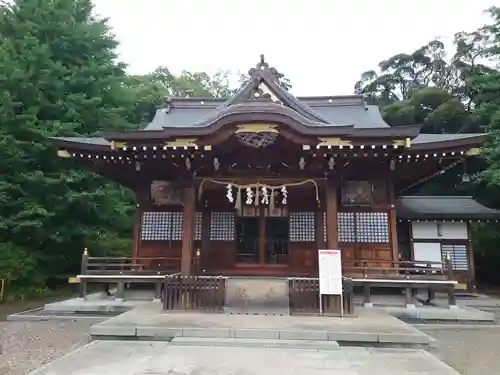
{"type": "Point", "coordinates": [321, 45]}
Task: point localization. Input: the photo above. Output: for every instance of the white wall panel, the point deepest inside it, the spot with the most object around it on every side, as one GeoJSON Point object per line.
{"type": "Point", "coordinates": [439, 230]}
{"type": "Point", "coordinates": [454, 231]}
{"type": "Point", "coordinates": [424, 229]}
{"type": "Point", "coordinates": [427, 252]}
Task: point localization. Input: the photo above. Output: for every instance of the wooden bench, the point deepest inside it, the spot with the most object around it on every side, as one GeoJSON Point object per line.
{"type": "Point", "coordinates": [409, 285]}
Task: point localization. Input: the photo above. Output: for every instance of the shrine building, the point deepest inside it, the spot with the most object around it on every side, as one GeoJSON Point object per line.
{"type": "Point", "coordinates": [255, 184]}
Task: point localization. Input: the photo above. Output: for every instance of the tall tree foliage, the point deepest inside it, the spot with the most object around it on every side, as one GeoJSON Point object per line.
{"type": "Point", "coordinates": [58, 77]}
{"type": "Point", "coordinates": [430, 86]}
{"type": "Point", "coordinates": [150, 91]}
{"type": "Point", "coordinates": [451, 92]}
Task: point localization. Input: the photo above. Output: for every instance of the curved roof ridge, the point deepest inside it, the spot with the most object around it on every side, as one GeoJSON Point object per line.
{"type": "Point", "coordinates": [262, 73]}
{"type": "Point", "coordinates": [259, 107]}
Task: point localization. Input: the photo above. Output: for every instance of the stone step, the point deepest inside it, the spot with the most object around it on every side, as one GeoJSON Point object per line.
{"type": "Point", "coordinates": [255, 343]}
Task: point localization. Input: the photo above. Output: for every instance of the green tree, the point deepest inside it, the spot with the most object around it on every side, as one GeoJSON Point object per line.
{"type": "Point", "coordinates": [151, 90]}
{"type": "Point", "coordinates": [59, 77]}
{"type": "Point", "coordinates": [425, 87]}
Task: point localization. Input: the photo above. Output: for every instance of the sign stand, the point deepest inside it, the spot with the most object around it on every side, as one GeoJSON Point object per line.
{"type": "Point", "coordinates": [320, 303]}
{"type": "Point", "coordinates": [330, 277]}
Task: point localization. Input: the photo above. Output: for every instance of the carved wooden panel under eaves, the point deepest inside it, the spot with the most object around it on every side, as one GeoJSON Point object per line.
{"type": "Point", "coordinates": [302, 227]}
{"type": "Point", "coordinates": [222, 226]}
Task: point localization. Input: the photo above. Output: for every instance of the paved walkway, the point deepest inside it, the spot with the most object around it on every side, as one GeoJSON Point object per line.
{"type": "Point", "coordinates": [161, 358]}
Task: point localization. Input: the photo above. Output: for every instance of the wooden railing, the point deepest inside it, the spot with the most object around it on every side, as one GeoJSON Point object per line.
{"type": "Point", "coordinates": [304, 298]}
{"type": "Point", "coordinates": [132, 265]}
{"type": "Point", "coordinates": [126, 265]}
{"type": "Point", "coordinates": [194, 293]}
{"type": "Point", "coordinates": [399, 270]}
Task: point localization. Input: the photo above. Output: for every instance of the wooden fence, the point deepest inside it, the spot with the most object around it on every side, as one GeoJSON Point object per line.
{"type": "Point", "coordinates": [194, 293]}
{"type": "Point", "coordinates": [304, 298]}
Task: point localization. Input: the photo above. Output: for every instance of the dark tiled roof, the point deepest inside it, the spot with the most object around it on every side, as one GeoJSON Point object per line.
{"type": "Point", "coordinates": [433, 138]}
{"type": "Point", "coordinates": [338, 112]}
{"type": "Point", "coordinates": [421, 139]}
{"type": "Point", "coordinates": [454, 208]}
{"type": "Point", "coordinates": [84, 140]}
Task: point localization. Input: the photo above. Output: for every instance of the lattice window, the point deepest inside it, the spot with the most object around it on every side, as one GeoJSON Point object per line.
{"type": "Point", "coordinates": [197, 228]}
{"type": "Point", "coordinates": [458, 256]}
{"type": "Point", "coordinates": [222, 226]}
{"type": "Point", "coordinates": [372, 227]}
{"type": "Point", "coordinates": [302, 227]}
{"type": "Point", "coordinates": [156, 226]}
{"type": "Point", "coordinates": [177, 219]}
{"type": "Point", "coordinates": [324, 227]}
{"type": "Point", "coordinates": [346, 227]}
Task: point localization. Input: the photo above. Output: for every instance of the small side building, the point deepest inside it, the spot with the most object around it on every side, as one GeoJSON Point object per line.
{"type": "Point", "coordinates": [433, 228]}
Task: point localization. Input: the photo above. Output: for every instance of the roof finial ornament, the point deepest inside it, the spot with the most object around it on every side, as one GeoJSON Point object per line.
{"type": "Point", "coordinates": [262, 65]}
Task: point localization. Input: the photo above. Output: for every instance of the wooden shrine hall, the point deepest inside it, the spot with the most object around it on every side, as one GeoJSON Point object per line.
{"type": "Point", "coordinates": [256, 183]}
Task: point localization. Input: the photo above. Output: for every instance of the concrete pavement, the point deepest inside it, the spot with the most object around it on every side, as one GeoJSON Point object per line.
{"type": "Point", "coordinates": [162, 358]}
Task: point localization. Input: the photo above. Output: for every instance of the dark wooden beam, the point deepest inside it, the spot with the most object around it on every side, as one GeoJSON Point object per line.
{"type": "Point", "coordinates": [188, 228]}
{"type": "Point", "coordinates": [332, 240]}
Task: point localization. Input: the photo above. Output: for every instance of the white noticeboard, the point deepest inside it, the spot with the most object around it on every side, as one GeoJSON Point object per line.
{"type": "Point", "coordinates": [330, 274]}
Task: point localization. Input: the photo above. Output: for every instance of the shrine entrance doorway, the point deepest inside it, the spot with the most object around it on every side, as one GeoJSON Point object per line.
{"type": "Point", "coordinates": [262, 239]}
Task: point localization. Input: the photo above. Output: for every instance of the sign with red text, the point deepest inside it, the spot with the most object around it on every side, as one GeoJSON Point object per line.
{"type": "Point", "coordinates": [330, 272]}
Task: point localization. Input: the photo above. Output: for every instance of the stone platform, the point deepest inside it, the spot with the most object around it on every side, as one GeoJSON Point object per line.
{"type": "Point", "coordinates": [162, 358]}
{"type": "Point", "coordinates": [445, 314]}
{"type": "Point", "coordinates": [94, 305]}
{"type": "Point", "coordinates": [371, 327]}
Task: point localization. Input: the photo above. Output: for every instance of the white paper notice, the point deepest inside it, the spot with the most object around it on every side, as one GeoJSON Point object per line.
{"type": "Point", "coordinates": [330, 272]}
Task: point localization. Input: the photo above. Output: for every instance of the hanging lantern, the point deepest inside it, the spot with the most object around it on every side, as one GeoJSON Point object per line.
{"type": "Point", "coordinates": [249, 196]}
{"type": "Point", "coordinates": [284, 195]}
{"type": "Point", "coordinates": [265, 196]}
{"type": "Point", "coordinates": [229, 193]}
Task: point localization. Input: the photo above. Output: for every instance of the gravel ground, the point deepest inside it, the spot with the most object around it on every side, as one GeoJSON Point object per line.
{"type": "Point", "coordinates": [469, 351]}
{"type": "Point", "coordinates": [28, 345]}
{"type": "Point", "coordinates": [25, 346]}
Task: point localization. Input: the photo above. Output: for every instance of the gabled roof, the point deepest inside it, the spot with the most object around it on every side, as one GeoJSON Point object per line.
{"type": "Point", "coordinates": [263, 99]}
{"type": "Point", "coordinates": [336, 110]}
{"type": "Point", "coordinates": [263, 87]}
{"type": "Point", "coordinates": [441, 208]}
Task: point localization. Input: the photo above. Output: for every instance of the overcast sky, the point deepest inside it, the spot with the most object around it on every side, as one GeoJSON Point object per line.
{"type": "Point", "coordinates": [321, 45]}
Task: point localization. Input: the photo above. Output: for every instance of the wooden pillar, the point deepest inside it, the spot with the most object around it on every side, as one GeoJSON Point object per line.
{"type": "Point", "coordinates": [83, 271]}
{"type": "Point", "coordinates": [320, 228]}
{"type": "Point", "coordinates": [188, 228]}
{"type": "Point", "coordinates": [332, 238]}
{"type": "Point", "coordinates": [470, 258]}
{"type": "Point", "coordinates": [393, 230]}
{"type": "Point", "coordinates": [205, 239]}
{"type": "Point", "coordinates": [136, 234]}
{"type": "Point", "coordinates": [262, 236]}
